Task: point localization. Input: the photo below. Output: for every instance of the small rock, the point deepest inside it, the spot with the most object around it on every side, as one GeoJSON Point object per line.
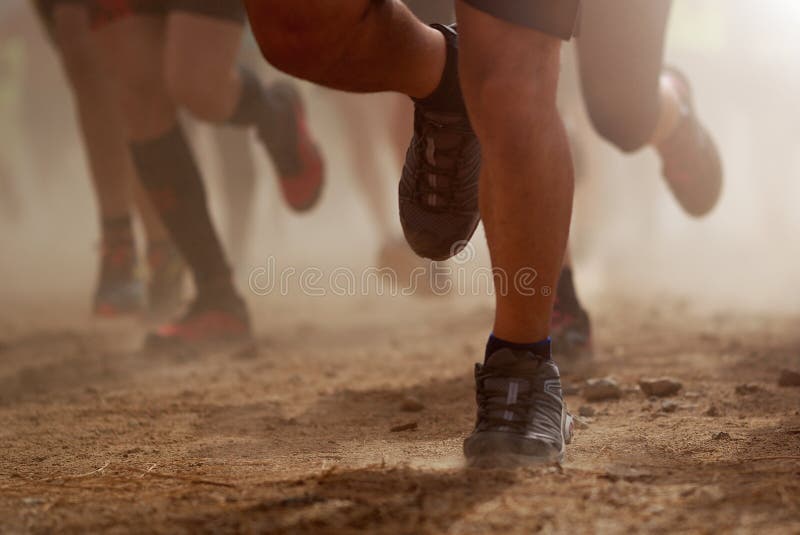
{"type": "Point", "coordinates": [601, 389]}
{"type": "Point", "coordinates": [746, 389]}
{"type": "Point", "coordinates": [580, 423]}
{"type": "Point", "coordinates": [631, 389]}
{"type": "Point", "coordinates": [692, 394]}
{"type": "Point", "coordinates": [627, 473]}
{"type": "Point", "coordinates": [587, 411]}
{"type": "Point", "coordinates": [722, 435]}
{"type": "Point", "coordinates": [712, 411]}
{"type": "Point", "coordinates": [32, 501]}
{"type": "Point", "coordinates": [405, 427]}
{"type": "Point", "coordinates": [571, 390]}
{"type": "Point", "coordinates": [669, 406]}
{"type": "Point", "coordinates": [660, 387]}
{"type": "Point", "coordinates": [411, 404]}
{"type": "Point", "coordinates": [713, 494]}
{"type": "Point", "coordinates": [789, 378]}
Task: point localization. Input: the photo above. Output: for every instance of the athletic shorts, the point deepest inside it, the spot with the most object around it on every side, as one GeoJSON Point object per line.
{"type": "Point", "coordinates": [106, 11]}
{"type": "Point", "coordinates": [430, 11]}
{"type": "Point", "coordinates": [558, 18]}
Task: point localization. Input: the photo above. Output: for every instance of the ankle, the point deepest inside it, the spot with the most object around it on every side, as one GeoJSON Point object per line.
{"type": "Point", "coordinates": [540, 348]}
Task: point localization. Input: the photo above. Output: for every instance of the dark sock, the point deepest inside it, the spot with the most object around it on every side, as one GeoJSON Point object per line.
{"type": "Point", "coordinates": [567, 296]}
{"type": "Point", "coordinates": [255, 106]}
{"type": "Point", "coordinates": [271, 113]}
{"type": "Point", "coordinates": [172, 179]}
{"type": "Point", "coordinates": [447, 96]}
{"type": "Point", "coordinates": [495, 344]}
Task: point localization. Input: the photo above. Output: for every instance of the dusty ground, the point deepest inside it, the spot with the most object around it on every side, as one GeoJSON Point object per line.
{"type": "Point", "coordinates": [297, 438]}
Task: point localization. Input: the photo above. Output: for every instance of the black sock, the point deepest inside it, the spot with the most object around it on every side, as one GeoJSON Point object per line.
{"type": "Point", "coordinates": [270, 111]}
{"type": "Point", "coordinates": [172, 179]}
{"type": "Point", "coordinates": [447, 96]}
{"type": "Point", "coordinates": [567, 296]}
{"type": "Point", "coordinates": [495, 344]}
{"type": "Point", "coordinates": [255, 107]}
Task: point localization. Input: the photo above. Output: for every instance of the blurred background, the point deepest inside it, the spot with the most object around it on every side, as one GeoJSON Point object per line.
{"type": "Point", "coordinates": [630, 237]}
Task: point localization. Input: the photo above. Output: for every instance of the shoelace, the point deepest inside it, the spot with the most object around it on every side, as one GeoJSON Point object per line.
{"type": "Point", "coordinates": [493, 406]}
{"type": "Point", "coordinates": [433, 182]}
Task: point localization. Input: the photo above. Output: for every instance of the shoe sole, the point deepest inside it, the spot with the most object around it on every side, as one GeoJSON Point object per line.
{"type": "Point", "coordinates": [496, 449]}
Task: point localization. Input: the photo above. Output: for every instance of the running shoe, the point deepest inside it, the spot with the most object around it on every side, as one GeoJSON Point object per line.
{"type": "Point", "coordinates": [692, 165]}
{"type": "Point", "coordinates": [571, 331]}
{"type": "Point", "coordinates": [206, 325]}
{"type": "Point", "coordinates": [439, 185]}
{"type": "Point", "coordinates": [296, 156]}
{"type": "Point", "coordinates": [522, 417]}
{"type": "Point", "coordinates": [119, 292]}
{"type": "Point", "coordinates": [167, 274]}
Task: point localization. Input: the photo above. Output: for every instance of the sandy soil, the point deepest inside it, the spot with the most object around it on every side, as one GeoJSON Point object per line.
{"type": "Point", "coordinates": [297, 439]}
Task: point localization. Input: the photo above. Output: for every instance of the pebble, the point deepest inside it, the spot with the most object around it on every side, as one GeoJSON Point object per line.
{"type": "Point", "coordinates": [587, 411]}
{"type": "Point", "coordinates": [411, 404]}
{"type": "Point", "coordinates": [660, 387]}
{"type": "Point", "coordinates": [601, 389]}
{"type": "Point", "coordinates": [712, 411]}
{"type": "Point", "coordinates": [789, 378]}
{"type": "Point", "coordinates": [745, 389]}
{"type": "Point", "coordinates": [580, 423]}
{"type": "Point", "coordinates": [722, 435]}
{"type": "Point", "coordinates": [669, 406]}
{"type": "Point", "coordinates": [405, 427]}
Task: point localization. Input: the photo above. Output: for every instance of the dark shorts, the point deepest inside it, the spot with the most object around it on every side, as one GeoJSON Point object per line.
{"type": "Point", "coordinates": [558, 18]}
{"type": "Point", "coordinates": [106, 11]}
{"type": "Point", "coordinates": [430, 11]}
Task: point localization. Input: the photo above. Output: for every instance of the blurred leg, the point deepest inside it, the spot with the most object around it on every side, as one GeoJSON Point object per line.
{"type": "Point", "coordinates": [509, 76]}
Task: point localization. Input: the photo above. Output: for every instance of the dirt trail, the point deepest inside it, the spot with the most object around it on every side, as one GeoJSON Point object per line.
{"type": "Point", "coordinates": [297, 439]}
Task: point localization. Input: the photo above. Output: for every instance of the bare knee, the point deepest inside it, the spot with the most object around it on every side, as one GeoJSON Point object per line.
{"type": "Point", "coordinates": [192, 90]}
{"type": "Point", "coordinates": [506, 96]}
{"type": "Point", "coordinates": [627, 131]}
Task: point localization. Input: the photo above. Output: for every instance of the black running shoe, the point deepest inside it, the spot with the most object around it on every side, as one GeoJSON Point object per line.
{"type": "Point", "coordinates": [522, 418]}
{"type": "Point", "coordinates": [439, 186]}
{"type": "Point", "coordinates": [571, 331]}
{"type": "Point", "coordinates": [293, 150]}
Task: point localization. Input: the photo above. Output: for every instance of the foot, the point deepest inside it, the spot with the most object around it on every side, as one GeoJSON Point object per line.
{"type": "Point", "coordinates": [522, 418]}
{"type": "Point", "coordinates": [297, 158]}
{"type": "Point", "coordinates": [571, 331]}
{"type": "Point", "coordinates": [167, 275]}
{"type": "Point", "coordinates": [207, 325]}
{"type": "Point", "coordinates": [119, 292]}
{"type": "Point", "coordinates": [691, 163]}
{"type": "Point", "coordinates": [439, 185]}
